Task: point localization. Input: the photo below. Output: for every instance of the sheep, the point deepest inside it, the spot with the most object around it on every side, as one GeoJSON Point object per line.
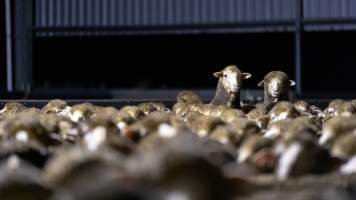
{"type": "Point", "coordinates": [339, 107]}
{"type": "Point", "coordinates": [33, 153]}
{"type": "Point", "coordinates": [103, 133]}
{"type": "Point", "coordinates": [11, 109]}
{"type": "Point", "coordinates": [204, 125]}
{"type": "Point", "coordinates": [149, 146]}
{"type": "Point", "coordinates": [303, 108]}
{"type": "Point", "coordinates": [128, 115]}
{"type": "Point", "coordinates": [303, 156]}
{"type": "Point", "coordinates": [164, 124]}
{"type": "Point", "coordinates": [344, 146]}
{"type": "Point", "coordinates": [235, 132]}
{"type": "Point", "coordinates": [229, 85]}
{"type": "Point", "coordinates": [251, 145]}
{"type": "Point", "coordinates": [227, 95]}
{"type": "Point", "coordinates": [55, 106]}
{"type": "Point", "coordinates": [229, 115]}
{"type": "Point", "coordinates": [276, 87]}
{"type": "Point", "coordinates": [76, 170]}
{"type": "Point", "coordinates": [27, 128]}
{"type": "Point", "coordinates": [301, 127]}
{"type": "Point", "coordinates": [188, 97]}
{"type": "Point", "coordinates": [21, 180]}
{"type": "Point", "coordinates": [153, 106]}
{"type": "Point", "coordinates": [81, 112]}
{"type": "Point", "coordinates": [335, 127]}
{"type": "Point", "coordinates": [226, 135]}
{"type": "Point", "coordinates": [276, 129]}
{"type": "Point", "coordinates": [282, 110]}
{"type": "Point", "coordinates": [260, 116]}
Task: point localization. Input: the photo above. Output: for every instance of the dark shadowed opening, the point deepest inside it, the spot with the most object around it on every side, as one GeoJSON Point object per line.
{"type": "Point", "coordinates": [170, 61]}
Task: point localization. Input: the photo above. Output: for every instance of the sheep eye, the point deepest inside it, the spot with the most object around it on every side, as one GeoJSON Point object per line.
{"type": "Point", "coordinates": [225, 75]}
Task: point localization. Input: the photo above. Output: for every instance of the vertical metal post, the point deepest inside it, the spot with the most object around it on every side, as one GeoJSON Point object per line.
{"type": "Point", "coordinates": [9, 63]}
{"type": "Point", "coordinates": [23, 39]}
{"type": "Point", "coordinates": [298, 46]}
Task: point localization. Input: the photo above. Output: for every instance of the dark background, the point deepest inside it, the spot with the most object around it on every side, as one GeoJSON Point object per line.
{"type": "Point", "coordinates": [87, 64]}
{"type": "Point", "coordinates": [329, 64]}
{"type": "Point", "coordinates": [187, 61]}
{"type": "Point", "coordinates": [164, 61]}
{"type": "Point", "coordinates": [2, 47]}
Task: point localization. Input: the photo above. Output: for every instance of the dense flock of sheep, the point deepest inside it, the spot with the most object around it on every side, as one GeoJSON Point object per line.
{"type": "Point", "coordinates": [225, 149]}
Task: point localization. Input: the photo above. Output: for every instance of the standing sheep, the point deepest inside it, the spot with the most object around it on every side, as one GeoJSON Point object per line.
{"type": "Point", "coordinates": [276, 87]}
{"type": "Point", "coordinates": [229, 85]}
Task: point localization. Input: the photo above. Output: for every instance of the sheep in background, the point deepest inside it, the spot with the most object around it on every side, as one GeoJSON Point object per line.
{"type": "Point", "coordinates": [276, 87]}
{"type": "Point", "coordinates": [229, 85]}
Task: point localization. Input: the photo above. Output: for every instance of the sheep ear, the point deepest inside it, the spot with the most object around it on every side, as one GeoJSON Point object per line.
{"type": "Point", "coordinates": [218, 74]}
{"type": "Point", "coordinates": [291, 83]}
{"type": "Point", "coordinates": [261, 84]}
{"type": "Point", "coordinates": [246, 75]}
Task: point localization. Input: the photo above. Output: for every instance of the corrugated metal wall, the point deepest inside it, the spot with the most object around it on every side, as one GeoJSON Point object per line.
{"type": "Point", "coordinates": [326, 9]}
{"type": "Point", "coordinates": [319, 9]}
{"type": "Point", "coordinates": [118, 13]}
{"type": "Point", "coordinates": [57, 13]}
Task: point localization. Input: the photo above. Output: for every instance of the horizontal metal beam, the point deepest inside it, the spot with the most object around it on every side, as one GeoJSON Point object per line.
{"type": "Point", "coordinates": [254, 24]}
{"type": "Point", "coordinates": [329, 21]}
{"type": "Point", "coordinates": [192, 27]}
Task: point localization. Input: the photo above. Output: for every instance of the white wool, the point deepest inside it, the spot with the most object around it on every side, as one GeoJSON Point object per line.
{"type": "Point", "coordinates": [259, 123]}
{"type": "Point", "coordinates": [13, 162]}
{"type": "Point", "coordinates": [272, 133]}
{"type": "Point", "coordinates": [121, 126]}
{"type": "Point", "coordinates": [95, 138]}
{"type": "Point", "coordinates": [56, 110]}
{"type": "Point", "coordinates": [22, 136]}
{"type": "Point", "coordinates": [325, 137]}
{"type": "Point", "coordinates": [223, 140]}
{"type": "Point", "coordinates": [55, 136]}
{"type": "Point", "coordinates": [166, 131]}
{"type": "Point", "coordinates": [3, 110]}
{"type": "Point", "coordinates": [320, 114]}
{"type": "Point", "coordinates": [65, 112]}
{"type": "Point", "coordinates": [349, 167]}
{"type": "Point", "coordinates": [279, 117]}
{"type": "Point", "coordinates": [330, 111]}
{"type": "Point", "coordinates": [73, 131]}
{"type": "Point", "coordinates": [287, 160]}
{"type": "Point", "coordinates": [346, 114]}
{"type": "Point", "coordinates": [177, 196]}
{"type": "Point", "coordinates": [300, 107]}
{"type": "Point", "coordinates": [338, 152]}
{"type": "Point", "coordinates": [202, 133]}
{"type": "Point", "coordinates": [279, 148]}
{"type": "Point", "coordinates": [76, 116]}
{"type": "Point", "coordinates": [244, 154]}
{"type": "Point", "coordinates": [143, 131]}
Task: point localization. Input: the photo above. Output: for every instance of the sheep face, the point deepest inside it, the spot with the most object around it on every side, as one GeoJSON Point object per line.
{"type": "Point", "coordinates": [276, 83]}
{"type": "Point", "coordinates": [231, 78]}
{"type": "Point", "coordinates": [275, 87]}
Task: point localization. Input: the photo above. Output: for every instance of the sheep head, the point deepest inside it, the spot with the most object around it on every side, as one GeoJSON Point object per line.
{"type": "Point", "coordinates": [231, 78]}
{"type": "Point", "coordinates": [275, 83]}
